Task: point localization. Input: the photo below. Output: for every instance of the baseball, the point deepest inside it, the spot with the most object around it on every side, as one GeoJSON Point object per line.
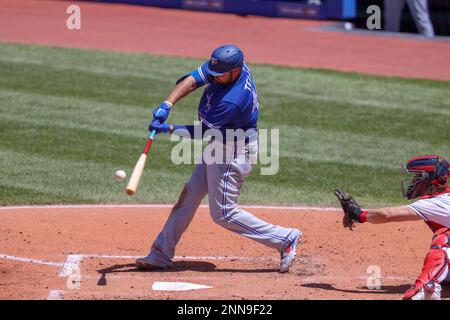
{"type": "Point", "coordinates": [120, 175]}
{"type": "Point", "coordinates": [348, 26]}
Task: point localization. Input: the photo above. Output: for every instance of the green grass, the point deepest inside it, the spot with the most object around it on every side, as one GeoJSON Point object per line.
{"type": "Point", "coordinates": [70, 118]}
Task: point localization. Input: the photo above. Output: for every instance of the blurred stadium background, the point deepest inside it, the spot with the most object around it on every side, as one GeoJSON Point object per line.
{"type": "Point", "coordinates": [341, 10]}
{"type": "Point", "coordinates": [439, 13]}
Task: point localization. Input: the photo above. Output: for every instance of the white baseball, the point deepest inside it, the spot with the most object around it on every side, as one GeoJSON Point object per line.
{"type": "Point", "coordinates": [120, 175]}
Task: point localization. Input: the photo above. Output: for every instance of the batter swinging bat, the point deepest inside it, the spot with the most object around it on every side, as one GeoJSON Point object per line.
{"type": "Point", "coordinates": [139, 167]}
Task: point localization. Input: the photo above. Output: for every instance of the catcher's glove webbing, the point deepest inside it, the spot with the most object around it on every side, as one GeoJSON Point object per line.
{"type": "Point", "coordinates": [352, 210]}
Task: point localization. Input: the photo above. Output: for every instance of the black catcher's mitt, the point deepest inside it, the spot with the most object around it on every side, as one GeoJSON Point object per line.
{"type": "Point", "coordinates": [352, 210]}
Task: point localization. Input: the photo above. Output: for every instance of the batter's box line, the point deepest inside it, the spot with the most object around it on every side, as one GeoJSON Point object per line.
{"type": "Point", "coordinates": [30, 260]}
{"type": "Point", "coordinates": [53, 294]}
{"type": "Point", "coordinates": [73, 261]}
{"type": "Point", "coordinates": [72, 265]}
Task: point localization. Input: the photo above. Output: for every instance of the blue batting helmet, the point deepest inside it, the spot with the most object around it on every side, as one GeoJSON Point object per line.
{"type": "Point", "coordinates": [224, 59]}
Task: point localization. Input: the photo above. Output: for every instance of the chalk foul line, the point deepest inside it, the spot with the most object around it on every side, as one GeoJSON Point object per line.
{"type": "Point", "coordinates": [71, 266]}
{"type": "Point", "coordinates": [160, 206]}
{"type": "Point", "coordinates": [29, 260]}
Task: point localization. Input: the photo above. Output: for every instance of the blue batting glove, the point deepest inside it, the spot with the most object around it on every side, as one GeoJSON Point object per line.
{"type": "Point", "coordinates": [162, 112]}
{"type": "Point", "coordinates": [160, 128]}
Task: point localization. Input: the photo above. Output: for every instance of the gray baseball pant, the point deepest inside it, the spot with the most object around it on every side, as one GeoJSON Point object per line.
{"type": "Point", "coordinates": [419, 11]}
{"type": "Point", "coordinates": [222, 183]}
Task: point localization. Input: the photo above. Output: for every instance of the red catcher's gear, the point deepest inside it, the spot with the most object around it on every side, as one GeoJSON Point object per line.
{"type": "Point", "coordinates": [427, 171]}
{"type": "Point", "coordinates": [436, 264]}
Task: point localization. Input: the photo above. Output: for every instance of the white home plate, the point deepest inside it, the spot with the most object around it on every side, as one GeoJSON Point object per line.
{"type": "Point", "coordinates": [177, 286]}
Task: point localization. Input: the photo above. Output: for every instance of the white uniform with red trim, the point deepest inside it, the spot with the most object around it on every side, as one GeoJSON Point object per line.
{"type": "Point", "coordinates": [434, 210]}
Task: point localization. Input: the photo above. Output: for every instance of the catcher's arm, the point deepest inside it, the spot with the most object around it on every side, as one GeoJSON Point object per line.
{"type": "Point", "coordinates": [392, 214]}
{"type": "Point", "coordinates": [354, 214]}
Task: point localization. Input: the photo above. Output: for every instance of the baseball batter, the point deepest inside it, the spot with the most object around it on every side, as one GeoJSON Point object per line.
{"type": "Point", "coordinates": [229, 103]}
{"type": "Point", "coordinates": [430, 183]}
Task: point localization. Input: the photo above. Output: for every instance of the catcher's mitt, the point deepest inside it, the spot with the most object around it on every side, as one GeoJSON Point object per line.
{"type": "Point", "coordinates": [352, 210]}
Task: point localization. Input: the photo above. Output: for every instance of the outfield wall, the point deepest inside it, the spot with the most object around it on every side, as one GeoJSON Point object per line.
{"type": "Point", "coordinates": [327, 9]}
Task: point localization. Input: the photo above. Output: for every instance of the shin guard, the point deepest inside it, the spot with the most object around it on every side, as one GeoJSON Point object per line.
{"type": "Point", "coordinates": [435, 266]}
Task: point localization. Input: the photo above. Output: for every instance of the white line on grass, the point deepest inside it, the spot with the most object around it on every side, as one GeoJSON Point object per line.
{"type": "Point", "coordinates": [160, 206]}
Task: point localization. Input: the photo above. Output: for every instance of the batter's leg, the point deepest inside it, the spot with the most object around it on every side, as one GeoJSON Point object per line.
{"type": "Point", "coordinates": [163, 248]}
{"type": "Point", "coordinates": [224, 184]}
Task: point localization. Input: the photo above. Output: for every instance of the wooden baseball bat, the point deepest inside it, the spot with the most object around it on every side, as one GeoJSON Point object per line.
{"type": "Point", "coordinates": [139, 167]}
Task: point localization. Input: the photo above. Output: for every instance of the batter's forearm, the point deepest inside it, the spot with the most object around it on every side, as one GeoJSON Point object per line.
{"type": "Point", "coordinates": [182, 89]}
{"type": "Point", "coordinates": [189, 131]}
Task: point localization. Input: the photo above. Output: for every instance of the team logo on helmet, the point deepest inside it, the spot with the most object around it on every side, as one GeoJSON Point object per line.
{"type": "Point", "coordinates": [214, 61]}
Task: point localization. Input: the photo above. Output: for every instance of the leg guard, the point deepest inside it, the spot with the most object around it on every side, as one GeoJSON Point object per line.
{"type": "Point", "coordinates": [435, 269]}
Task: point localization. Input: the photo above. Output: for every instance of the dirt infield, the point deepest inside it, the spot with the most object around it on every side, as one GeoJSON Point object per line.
{"type": "Point", "coordinates": [287, 42]}
{"type": "Point", "coordinates": [41, 248]}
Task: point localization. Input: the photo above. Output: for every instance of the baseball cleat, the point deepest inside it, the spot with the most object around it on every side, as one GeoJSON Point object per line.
{"type": "Point", "coordinates": [146, 264]}
{"type": "Point", "coordinates": [430, 291]}
{"type": "Point", "coordinates": [289, 251]}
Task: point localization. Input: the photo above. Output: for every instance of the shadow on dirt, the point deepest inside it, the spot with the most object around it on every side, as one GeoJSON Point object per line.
{"type": "Point", "coordinates": [399, 289]}
{"type": "Point", "coordinates": [363, 290]}
{"type": "Point", "coordinates": [179, 266]}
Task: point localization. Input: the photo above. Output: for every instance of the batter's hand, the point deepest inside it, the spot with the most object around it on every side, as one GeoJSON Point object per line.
{"type": "Point", "coordinates": [159, 128]}
{"type": "Point", "coordinates": [162, 112]}
{"type": "Point", "coordinates": [352, 209]}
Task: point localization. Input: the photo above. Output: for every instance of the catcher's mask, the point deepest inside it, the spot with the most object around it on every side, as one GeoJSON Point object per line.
{"type": "Point", "coordinates": [427, 171]}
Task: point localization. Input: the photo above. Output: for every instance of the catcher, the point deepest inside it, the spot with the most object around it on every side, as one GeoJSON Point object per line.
{"type": "Point", "coordinates": [429, 182]}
